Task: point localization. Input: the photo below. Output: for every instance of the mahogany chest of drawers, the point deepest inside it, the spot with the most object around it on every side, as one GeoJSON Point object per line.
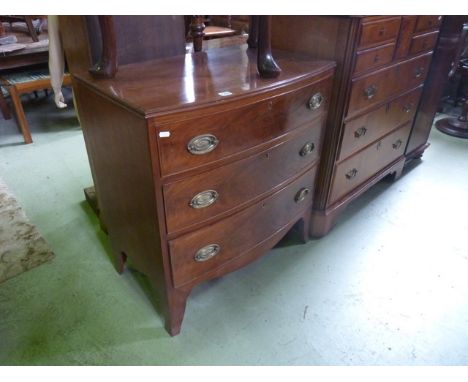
{"type": "Point", "coordinates": [200, 165]}
{"type": "Point", "coordinates": [382, 65]}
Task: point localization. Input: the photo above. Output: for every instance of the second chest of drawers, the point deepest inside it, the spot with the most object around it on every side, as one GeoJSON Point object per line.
{"type": "Point", "coordinates": [382, 65]}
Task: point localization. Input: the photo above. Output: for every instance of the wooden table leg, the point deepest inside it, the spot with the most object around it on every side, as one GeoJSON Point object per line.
{"type": "Point", "coordinates": [20, 116]}
{"type": "Point", "coordinates": [32, 30]}
{"type": "Point", "coordinates": [196, 30]}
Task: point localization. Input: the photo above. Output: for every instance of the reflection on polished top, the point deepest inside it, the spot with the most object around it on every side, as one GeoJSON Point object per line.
{"type": "Point", "coordinates": [202, 78]}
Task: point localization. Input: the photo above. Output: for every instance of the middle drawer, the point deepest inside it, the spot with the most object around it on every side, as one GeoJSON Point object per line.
{"type": "Point", "coordinates": [207, 195]}
{"type": "Point", "coordinates": [361, 131]}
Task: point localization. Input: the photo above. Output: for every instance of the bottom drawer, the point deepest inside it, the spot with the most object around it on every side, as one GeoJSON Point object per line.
{"type": "Point", "coordinates": [208, 248]}
{"type": "Point", "coordinates": [363, 165]}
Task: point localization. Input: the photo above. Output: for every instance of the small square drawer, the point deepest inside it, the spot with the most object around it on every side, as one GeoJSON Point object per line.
{"type": "Point", "coordinates": [373, 58]}
{"type": "Point", "coordinates": [424, 42]}
{"type": "Point", "coordinates": [377, 32]}
{"type": "Point", "coordinates": [425, 23]}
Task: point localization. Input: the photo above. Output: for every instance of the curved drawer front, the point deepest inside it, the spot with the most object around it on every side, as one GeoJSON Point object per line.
{"type": "Point", "coordinates": [237, 183]}
{"type": "Point", "coordinates": [362, 131]}
{"type": "Point", "coordinates": [207, 248]}
{"type": "Point", "coordinates": [239, 129]}
{"type": "Point", "coordinates": [377, 87]}
{"type": "Point", "coordinates": [360, 167]}
{"type": "Point", "coordinates": [377, 32]}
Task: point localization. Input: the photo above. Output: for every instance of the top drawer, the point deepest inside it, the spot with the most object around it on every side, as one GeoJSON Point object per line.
{"type": "Point", "coordinates": [425, 23]}
{"type": "Point", "coordinates": [377, 32]}
{"type": "Point", "coordinates": [198, 141]}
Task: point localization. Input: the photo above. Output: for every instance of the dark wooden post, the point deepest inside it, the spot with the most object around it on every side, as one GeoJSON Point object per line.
{"type": "Point", "coordinates": [107, 65]}
{"type": "Point", "coordinates": [267, 67]}
{"type": "Point", "coordinates": [196, 30]}
{"type": "Point", "coordinates": [252, 41]}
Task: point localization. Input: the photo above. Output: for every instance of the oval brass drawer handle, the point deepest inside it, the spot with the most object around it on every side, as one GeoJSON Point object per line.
{"type": "Point", "coordinates": [370, 91]}
{"type": "Point", "coordinates": [307, 149]}
{"type": "Point", "coordinates": [315, 101]}
{"type": "Point", "coordinates": [202, 144]}
{"type": "Point", "coordinates": [351, 174]}
{"type": "Point", "coordinates": [397, 144]}
{"type": "Point", "coordinates": [204, 199]}
{"type": "Point", "coordinates": [360, 132]}
{"type": "Point", "coordinates": [207, 252]}
{"type": "Point", "coordinates": [301, 194]}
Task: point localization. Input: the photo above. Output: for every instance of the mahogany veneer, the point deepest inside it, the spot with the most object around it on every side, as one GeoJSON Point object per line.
{"type": "Point", "coordinates": [201, 165]}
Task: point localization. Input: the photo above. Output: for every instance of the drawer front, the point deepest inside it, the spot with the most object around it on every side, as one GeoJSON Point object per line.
{"type": "Point", "coordinates": [360, 167]}
{"type": "Point", "coordinates": [425, 23]}
{"type": "Point", "coordinates": [377, 87]}
{"type": "Point", "coordinates": [199, 141]}
{"type": "Point", "coordinates": [377, 32]}
{"type": "Point", "coordinates": [373, 58]}
{"type": "Point", "coordinates": [424, 42]}
{"type": "Point", "coordinates": [205, 249]}
{"type": "Point", "coordinates": [361, 131]}
{"type": "Point", "coordinates": [198, 198]}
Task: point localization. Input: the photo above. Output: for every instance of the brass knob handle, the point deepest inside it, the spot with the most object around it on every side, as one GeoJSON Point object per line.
{"type": "Point", "coordinates": [370, 91]}
{"type": "Point", "coordinates": [202, 144]}
{"type": "Point", "coordinates": [408, 107]}
{"type": "Point", "coordinates": [376, 58]}
{"type": "Point", "coordinates": [315, 101]}
{"type": "Point", "coordinates": [418, 72]}
{"type": "Point", "coordinates": [351, 174]}
{"type": "Point", "coordinates": [381, 31]}
{"type": "Point", "coordinates": [207, 252]}
{"type": "Point", "coordinates": [301, 194]}
{"type": "Point", "coordinates": [307, 149]}
{"type": "Point", "coordinates": [397, 144]}
{"type": "Point", "coordinates": [204, 199]}
{"type": "Point", "coordinates": [360, 132]}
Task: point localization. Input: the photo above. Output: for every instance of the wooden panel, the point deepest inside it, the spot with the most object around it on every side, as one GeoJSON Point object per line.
{"type": "Point", "coordinates": [362, 131]}
{"type": "Point", "coordinates": [258, 222]}
{"type": "Point", "coordinates": [377, 32]}
{"type": "Point", "coordinates": [269, 169]}
{"type": "Point", "coordinates": [374, 58]}
{"type": "Point", "coordinates": [362, 166]}
{"type": "Point", "coordinates": [241, 128]}
{"type": "Point", "coordinates": [408, 24]}
{"type": "Point", "coordinates": [377, 87]}
{"type": "Point", "coordinates": [425, 23]}
{"type": "Point", "coordinates": [424, 42]}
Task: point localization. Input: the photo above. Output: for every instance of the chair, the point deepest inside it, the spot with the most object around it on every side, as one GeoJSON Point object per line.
{"type": "Point", "coordinates": [23, 82]}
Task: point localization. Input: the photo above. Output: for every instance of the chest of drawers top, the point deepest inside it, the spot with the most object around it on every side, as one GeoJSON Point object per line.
{"type": "Point", "coordinates": [182, 83]}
